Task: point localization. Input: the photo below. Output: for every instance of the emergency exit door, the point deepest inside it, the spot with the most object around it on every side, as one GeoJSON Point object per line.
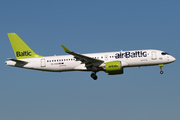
{"type": "Point", "coordinates": [106, 57]}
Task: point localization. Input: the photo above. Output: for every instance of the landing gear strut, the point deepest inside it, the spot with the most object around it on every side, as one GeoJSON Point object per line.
{"type": "Point", "coordinates": [161, 65]}
{"type": "Point", "coordinates": [94, 76]}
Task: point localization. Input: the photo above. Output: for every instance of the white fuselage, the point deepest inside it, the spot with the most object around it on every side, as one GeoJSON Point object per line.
{"type": "Point", "coordinates": [69, 63]}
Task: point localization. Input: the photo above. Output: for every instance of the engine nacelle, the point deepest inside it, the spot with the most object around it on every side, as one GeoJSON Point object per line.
{"type": "Point", "coordinates": [113, 68]}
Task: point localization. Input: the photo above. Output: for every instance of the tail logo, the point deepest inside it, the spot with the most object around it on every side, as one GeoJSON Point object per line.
{"type": "Point", "coordinates": [23, 53]}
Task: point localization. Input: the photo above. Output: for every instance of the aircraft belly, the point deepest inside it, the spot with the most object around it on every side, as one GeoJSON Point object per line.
{"type": "Point", "coordinates": [143, 62]}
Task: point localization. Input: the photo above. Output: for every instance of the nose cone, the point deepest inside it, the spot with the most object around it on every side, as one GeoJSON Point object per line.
{"type": "Point", "coordinates": [172, 59]}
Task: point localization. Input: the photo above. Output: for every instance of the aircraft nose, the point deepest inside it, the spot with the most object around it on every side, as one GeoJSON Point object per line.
{"type": "Point", "coordinates": [173, 59]}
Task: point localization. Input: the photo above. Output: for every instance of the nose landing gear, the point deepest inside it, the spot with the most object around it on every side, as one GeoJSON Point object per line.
{"type": "Point", "coordinates": [161, 65]}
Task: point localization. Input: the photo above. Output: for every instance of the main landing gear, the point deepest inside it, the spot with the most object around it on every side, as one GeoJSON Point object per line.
{"type": "Point", "coordinates": [94, 76]}
{"type": "Point", "coordinates": [161, 65]}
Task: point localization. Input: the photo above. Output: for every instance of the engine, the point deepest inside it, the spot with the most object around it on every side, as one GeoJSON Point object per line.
{"type": "Point", "coordinates": [113, 67]}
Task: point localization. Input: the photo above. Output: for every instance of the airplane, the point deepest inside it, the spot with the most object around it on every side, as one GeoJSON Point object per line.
{"type": "Point", "coordinates": [112, 63]}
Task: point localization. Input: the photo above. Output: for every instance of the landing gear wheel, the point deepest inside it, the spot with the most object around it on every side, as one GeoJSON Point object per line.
{"type": "Point", "coordinates": [94, 76]}
{"type": "Point", "coordinates": [161, 72]}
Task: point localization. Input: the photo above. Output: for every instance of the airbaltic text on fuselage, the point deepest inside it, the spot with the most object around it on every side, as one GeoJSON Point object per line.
{"type": "Point", "coordinates": [131, 54]}
{"type": "Point", "coordinates": [23, 53]}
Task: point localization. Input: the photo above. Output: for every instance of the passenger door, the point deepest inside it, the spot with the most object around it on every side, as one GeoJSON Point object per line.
{"type": "Point", "coordinates": [43, 63]}
{"type": "Point", "coordinates": [153, 55]}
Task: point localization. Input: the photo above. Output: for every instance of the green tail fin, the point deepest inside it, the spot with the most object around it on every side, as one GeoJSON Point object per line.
{"type": "Point", "coordinates": [21, 49]}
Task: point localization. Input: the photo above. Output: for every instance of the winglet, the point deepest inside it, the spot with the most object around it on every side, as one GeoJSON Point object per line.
{"type": "Point", "coordinates": [65, 49]}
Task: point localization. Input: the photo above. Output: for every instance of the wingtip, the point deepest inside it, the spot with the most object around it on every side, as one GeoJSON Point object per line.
{"type": "Point", "coordinates": [65, 49]}
{"type": "Point", "coordinates": [11, 33]}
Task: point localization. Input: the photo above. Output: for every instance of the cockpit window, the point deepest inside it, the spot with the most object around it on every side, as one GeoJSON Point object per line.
{"type": "Point", "coordinates": [164, 53]}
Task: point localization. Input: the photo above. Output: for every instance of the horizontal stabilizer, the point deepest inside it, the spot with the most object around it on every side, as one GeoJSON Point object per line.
{"type": "Point", "coordinates": [15, 60]}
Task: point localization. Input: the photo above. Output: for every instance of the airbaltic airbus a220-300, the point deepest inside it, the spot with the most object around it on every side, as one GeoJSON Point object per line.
{"type": "Point", "coordinates": [112, 63]}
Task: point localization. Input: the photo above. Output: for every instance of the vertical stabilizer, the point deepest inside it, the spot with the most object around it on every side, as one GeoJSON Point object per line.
{"type": "Point", "coordinates": [21, 49]}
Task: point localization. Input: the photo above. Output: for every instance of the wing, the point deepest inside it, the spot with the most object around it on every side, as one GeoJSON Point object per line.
{"type": "Point", "coordinates": [88, 61]}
